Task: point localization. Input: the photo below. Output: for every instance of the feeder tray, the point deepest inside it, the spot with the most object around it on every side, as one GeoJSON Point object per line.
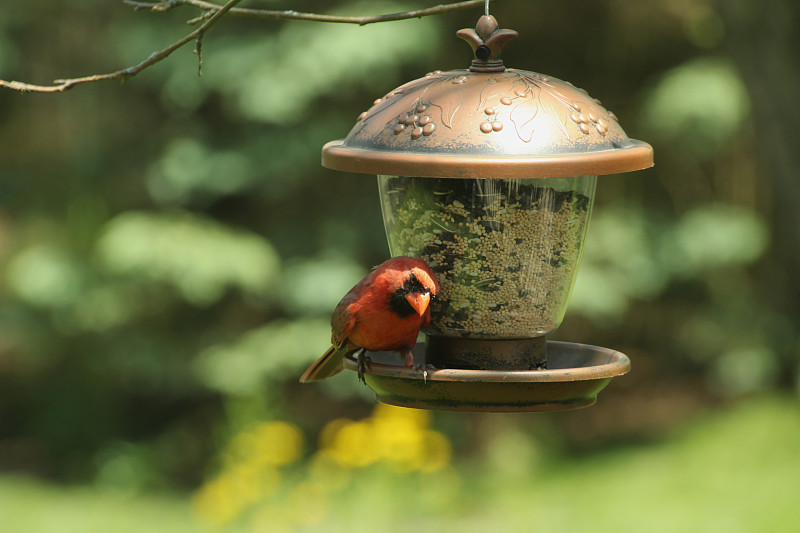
{"type": "Point", "coordinates": [489, 174]}
{"type": "Point", "coordinates": [575, 374]}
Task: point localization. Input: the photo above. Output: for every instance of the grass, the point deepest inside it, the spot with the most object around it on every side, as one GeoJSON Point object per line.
{"type": "Point", "coordinates": [29, 506]}
{"type": "Point", "coordinates": [736, 472]}
{"type": "Point", "coordinates": [732, 471]}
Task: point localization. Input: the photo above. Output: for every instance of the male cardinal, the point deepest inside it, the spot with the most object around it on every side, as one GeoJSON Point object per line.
{"type": "Point", "coordinates": [384, 311]}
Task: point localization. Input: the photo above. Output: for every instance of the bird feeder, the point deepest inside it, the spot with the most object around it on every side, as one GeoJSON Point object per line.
{"type": "Point", "coordinates": [489, 175]}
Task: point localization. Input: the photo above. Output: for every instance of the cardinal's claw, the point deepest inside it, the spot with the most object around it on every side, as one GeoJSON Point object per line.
{"type": "Point", "coordinates": [363, 364]}
{"type": "Point", "coordinates": [424, 369]}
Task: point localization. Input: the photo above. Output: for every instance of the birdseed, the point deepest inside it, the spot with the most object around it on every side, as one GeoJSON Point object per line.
{"type": "Point", "coordinates": [505, 251]}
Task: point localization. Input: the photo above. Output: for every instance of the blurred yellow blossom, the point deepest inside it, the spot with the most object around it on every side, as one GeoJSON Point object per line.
{"type": "Point", "coordinates": [326, 471]}
{"type": "Point", "coordinates": [275, 442]}
{"type": "Point", "coordinates": [438, 452]}
{"type": "Point", "coordinates": [328, 433]}
{"type": "Point", "coordinates": [250, 473]}
{"type": "Point", "coordinates": [400, 439]}
{"type": "Point", "coordinates": [395, 436]}
{"type": "Point", "coordinates": [353, 444]}
{"type": "Point", "coordinates": [400, 436]}
{"type": "Point", "coordinates": [221, 500]}
{"type": "Point", "coordinates": [215, 503]}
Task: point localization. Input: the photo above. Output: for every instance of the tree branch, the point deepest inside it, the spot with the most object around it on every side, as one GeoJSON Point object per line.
{"type": "Point", "coordinates": [212, 13]}
{"type": "Point", "coordinates": [210, 7]}
{"type": "Point", "coordinates": [124, 74]}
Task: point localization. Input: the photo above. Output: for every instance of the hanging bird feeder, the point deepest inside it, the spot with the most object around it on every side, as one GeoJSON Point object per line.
{"type": "Point", "coordinates": [489, 175]}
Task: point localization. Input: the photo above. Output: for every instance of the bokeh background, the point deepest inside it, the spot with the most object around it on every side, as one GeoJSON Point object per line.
{"type": "Point", "coordinates": [171, 250]}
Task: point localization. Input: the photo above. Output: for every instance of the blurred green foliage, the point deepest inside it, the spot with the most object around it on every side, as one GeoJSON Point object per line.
{"type": "Point", "coordinates": [199, 257]}
{"type": "Point", "coordinates": [171, 250]}
{"type": "Point", "coordinates": [707, 477]}
{"type": "Point", "coordinates": [629, 257]}
{"type": "Point", "coordinates": [701, 121]}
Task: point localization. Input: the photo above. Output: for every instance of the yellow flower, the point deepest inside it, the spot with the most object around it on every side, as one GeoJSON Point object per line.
{"type": "Point", "coordinates": [399, 443]}
{"type": "Point", "coordinates": [274, 443]}
{"type": "Point", "coordinates": [438, 451]}
{"type": "Point", "coordinates": [250, 472]}
{"type": "Point", "coordinates": [396, 436]}
{"type": "Point", "coordinates": [405, 441]}
{"type": "Point", "coordinates": [353, 445]}
{"type": "Point", "coordinates": [326, 471]}
{"type": "Point", "coordinates": [253, 483]}
{"type": "Point", "coordinates": [216, 503]}
{"type": "Point", "coordinates": [221, 500]}
{"type": "Point", "coordinates": [328, 434]}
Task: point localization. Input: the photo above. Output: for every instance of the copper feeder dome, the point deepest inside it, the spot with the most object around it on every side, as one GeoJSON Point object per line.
{"type": "Point", "coordinates": [487, 122]}
{"type": "Point", "coordinates": [458, 150]}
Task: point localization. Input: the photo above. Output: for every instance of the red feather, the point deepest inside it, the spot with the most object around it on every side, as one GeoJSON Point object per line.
{"type": "Point", "coordinates": [366, 317]}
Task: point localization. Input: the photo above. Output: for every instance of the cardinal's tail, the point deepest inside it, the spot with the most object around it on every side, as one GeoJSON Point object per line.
{"type": "Point", "coordinates": [326, 366]}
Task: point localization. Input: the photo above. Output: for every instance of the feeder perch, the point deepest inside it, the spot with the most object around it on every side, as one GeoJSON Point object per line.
{"type": "Point", "coordinates": [489, 175]}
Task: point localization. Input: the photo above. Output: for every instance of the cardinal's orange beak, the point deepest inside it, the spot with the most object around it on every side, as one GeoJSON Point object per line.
{"type": "Point", "coordinates": [419, 301]}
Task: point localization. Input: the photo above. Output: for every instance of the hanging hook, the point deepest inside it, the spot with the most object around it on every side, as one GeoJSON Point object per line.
{"type": "Point", "coordinates": [487, 8]}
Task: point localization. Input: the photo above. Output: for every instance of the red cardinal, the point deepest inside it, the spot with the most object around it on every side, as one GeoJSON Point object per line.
{"type": "Point", "coordinates": [384, 311]}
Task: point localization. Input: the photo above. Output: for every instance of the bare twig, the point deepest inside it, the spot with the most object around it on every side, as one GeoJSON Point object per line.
{"type": "Point", "coordinates": [210, 7]}
{"type": "Point", "coordinates": [124, 74]}
{"type": "Point", "coordinates": [198, 50]}
{"type": "Point", "coordinates": [211, 14]}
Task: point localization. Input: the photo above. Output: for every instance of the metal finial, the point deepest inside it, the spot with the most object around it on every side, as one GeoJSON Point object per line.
{"type": "Point", "coordinates": [487, 41]}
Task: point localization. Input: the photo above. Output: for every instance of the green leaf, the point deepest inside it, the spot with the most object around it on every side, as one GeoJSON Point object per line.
{"type": "Point", "coordinates": [274, 79]}
{"type": "Point", "coordinates": [247, 364]}
{"type": "Point", "coordinates": [45, 276]}
{"type": "Point", "coordinates": [315, 286]}
{"type": "Point", "coordinates": [197, 255]}
{"type": "Point", "coordinates": [700, 104]}
{"type": "Point", "coordinates": [188, 166]}
{"type": "Point", "coordinates": [714, 236]}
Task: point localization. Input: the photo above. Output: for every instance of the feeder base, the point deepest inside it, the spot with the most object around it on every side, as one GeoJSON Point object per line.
{"type": "Point", "coordinates": [576, 373]}
{"type": "Point", "coordinates": [486, 354]}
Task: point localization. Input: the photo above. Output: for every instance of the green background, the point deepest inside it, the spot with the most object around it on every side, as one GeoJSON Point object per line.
{"type": "Point", "coordinates": [171, 250]}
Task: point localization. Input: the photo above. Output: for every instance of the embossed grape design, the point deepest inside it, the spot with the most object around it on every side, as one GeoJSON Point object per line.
{"type": "Point", "coordinates": [420, 124]}
{"type": "Point", "coordinates": [512, 91]}
{"type": "Point", "coordinates": [508, 99]}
